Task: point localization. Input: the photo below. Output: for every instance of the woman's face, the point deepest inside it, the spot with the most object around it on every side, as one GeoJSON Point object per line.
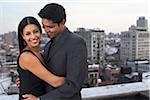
{"type": "Point", "coordinates": [31, 35]}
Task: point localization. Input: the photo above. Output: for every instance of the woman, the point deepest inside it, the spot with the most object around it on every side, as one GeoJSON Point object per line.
{"type": "Point", "coordinates": [32, 72]}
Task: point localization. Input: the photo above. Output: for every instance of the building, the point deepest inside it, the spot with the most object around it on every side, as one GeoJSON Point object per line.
{"type": "Point", "coordinates": [98, 46]}
{"type": "Point", "coordinates": [10, 38]}
{"type": "Point", "coordinates": [86, 35]}
{"type": "Point", "coordinates": [2, 52]}
{"type": "Point", "coordinates": [95, 41]}
{"type": "Point", "coordinates": [135, 42]}
{"type": "Point", "coordinates": [93, 74]}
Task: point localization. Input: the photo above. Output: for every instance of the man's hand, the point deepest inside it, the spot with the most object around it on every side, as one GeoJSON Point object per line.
{"type": "Point", "coordinates": [29, 97]}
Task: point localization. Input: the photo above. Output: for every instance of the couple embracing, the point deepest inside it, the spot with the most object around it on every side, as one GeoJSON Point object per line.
{"type": "Point", "coordinates": [59, 72]}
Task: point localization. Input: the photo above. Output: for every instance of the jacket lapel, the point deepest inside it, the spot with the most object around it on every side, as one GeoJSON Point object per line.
{"type": "Point", "coordinates": [46, 50]}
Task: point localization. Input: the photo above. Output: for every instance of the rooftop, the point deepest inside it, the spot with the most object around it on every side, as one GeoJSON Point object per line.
{"type": "Point", "coordinates": [130, 91]}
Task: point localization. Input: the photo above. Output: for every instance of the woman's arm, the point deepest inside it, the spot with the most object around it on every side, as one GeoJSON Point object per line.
{"type": "Point", "coordinates": [29, 62]}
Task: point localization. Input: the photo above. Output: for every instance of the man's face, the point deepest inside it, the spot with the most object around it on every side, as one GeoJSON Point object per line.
{"type": "Point", "coordinates": [52, 29]}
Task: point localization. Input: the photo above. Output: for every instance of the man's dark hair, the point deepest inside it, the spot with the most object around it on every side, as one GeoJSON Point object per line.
{"type": "Point", "coordinates": [54, 12]}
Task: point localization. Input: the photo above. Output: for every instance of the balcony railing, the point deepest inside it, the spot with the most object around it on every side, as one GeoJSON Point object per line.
{"type": "Point", "coordinates": [110, 91]}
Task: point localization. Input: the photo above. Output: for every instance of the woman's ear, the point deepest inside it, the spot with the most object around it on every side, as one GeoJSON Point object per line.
{"type": "Point", "coordinates": [22, 36]}
{"type": "Point", "coordinates": [24, 42]}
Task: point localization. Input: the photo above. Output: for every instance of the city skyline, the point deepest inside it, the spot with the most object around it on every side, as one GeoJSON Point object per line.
{"type": "Point", "coordinates": [109, 15]}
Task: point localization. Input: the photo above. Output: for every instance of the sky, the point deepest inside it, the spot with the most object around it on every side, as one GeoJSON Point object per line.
{"type": "Point", "coordinates": [109, 15]}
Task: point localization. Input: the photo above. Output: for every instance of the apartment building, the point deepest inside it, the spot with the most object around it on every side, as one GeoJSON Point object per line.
{"type": "Point", "coordinates": [135, 42]}
{"type": "Point", "coordinates": [95, 41]}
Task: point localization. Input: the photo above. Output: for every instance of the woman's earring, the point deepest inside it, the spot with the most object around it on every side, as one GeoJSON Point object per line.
{"type": "Point", "coordinates": [24, 43]}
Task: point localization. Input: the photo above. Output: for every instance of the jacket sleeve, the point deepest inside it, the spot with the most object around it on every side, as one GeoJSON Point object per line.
{"type": "Point", "coordinates": [76, 73]}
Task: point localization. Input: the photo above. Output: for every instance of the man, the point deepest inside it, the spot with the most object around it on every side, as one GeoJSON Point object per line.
{"type": "Point", "coordinates": [65, 55]}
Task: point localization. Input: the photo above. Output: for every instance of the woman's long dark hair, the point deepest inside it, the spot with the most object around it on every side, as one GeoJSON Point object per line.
{"type": "Point", "coordinates": [23, 23]}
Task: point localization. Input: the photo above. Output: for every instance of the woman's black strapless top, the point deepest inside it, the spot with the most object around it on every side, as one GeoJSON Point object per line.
{"type": "Point", "coordinates": [29, 83]}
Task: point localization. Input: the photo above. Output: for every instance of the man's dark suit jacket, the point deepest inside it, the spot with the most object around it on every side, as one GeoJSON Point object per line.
{"type": "Point", "coordinates": [67, 57]}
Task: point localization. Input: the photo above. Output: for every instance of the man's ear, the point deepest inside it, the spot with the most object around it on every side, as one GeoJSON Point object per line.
{"type": "Point", "coordinates": [63, 21]}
